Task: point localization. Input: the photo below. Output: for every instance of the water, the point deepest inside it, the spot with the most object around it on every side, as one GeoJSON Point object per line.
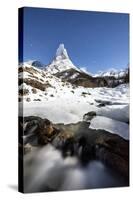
{"type": "Point", "coordinates": [46, 170]}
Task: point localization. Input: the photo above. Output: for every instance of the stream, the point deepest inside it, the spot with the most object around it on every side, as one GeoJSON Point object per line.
{"type": "Point", "coordinates": [46, 170]}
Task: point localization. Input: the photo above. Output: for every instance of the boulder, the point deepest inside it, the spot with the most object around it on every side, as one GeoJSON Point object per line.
{"type": "Point", "coordinates": [37, 131]}
{"type": "Point", "coordinates": [46, 132]}
{"type": "Point", "coordinates": [113, 151]}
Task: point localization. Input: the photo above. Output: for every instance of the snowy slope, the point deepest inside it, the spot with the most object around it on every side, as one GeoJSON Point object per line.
{"type": "Point", "coordinates": [29, 74]}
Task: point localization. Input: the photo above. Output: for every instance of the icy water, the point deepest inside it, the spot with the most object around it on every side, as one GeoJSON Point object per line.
{"type": "Point", "coordinates": [46, 170]}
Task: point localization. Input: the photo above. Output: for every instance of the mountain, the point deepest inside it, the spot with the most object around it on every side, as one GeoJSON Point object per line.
{"type": "Point", "coordinates": [36, 63]}
{"type": "Point", "coordinates": [63, 68]}
{"type": "Point", "coordinates": [62, 71]}
{"type": "Point", "coordinates": [112, 72]}
{"type": "Point", "coordinates": [114, 77]}
{"type": "Point", "coordinates": [61, 62]}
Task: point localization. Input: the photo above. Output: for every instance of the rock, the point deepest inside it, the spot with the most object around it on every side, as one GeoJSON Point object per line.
{"type": "Point", "coordinates": [37, 100]}
{"type": "Point", "coordinates": [113, 151]}
{"type": "Point", "coordinates": [79, 78]}
{"type": "Point", "coordinates": [46, 132]}
{"type": "Point", "coordinates": [78, 140]}
{"type": "Point", "coordinates": [89, 116]}
{"type": "Point", "coordinates": [65, 142]}
{"type": "Point", "coordinates": [34, 90]}
{"type": "Point", "coordinates": [37, 131]}
{"type": "Point", "coordinates": [28, 99]}
{"type": "Point", "coordinates": [34, 83]}
{"type": "Point", "coordinates": [87, 151]}
{"type": "Point", "coordinates": [68, 147]}
{"type": "Point", "coordinates": [101, 105]}
{"type": "Point", "coordinates": [109, 148]}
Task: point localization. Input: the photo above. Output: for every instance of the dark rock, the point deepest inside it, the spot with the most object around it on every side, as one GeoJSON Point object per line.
{"type": "Point", "coordinates": [34, 83]}
{"type": "Point", "coordinates": [103, 101]}
{"type": "Point", "coordinates": [28, 99]}
{"type": "Point", "coordinates": [46, 132]}
{"type": "Point", "coordinates": [37, 131]}
{"type": "Point", "coordinates": [65, 142]}
{"type": "Point", "coordinates": [84, 94]}
{"type": "Point", "coordinates": [52, 95]}
{"type": "Point", "coordinates": [89, 116]}
{"type": "Point", "coordinates": [90, 144]}
{"type": "Point", "coordinates": [87, 151]}
{"type": "Point", "coordinates": [37, 100]}
{"type": "Point", "coordinates": [68, 147]}
{"type": "Point", "coordinates": [101, 105]}
{"type": "Point", "coordinates": [114, 151]}
{"type": "Point", "coordinates": [34, 90]}
{"type": "Point", "coordinates": [81, 79]}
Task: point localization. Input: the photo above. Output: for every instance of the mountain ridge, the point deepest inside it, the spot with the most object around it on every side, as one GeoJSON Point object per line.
{"type": "Point", "coordinates": [63, 68]}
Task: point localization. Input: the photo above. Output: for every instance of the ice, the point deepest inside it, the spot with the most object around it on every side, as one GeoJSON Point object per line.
{"type": "Point", "coordinates": [113, 126]}
{"type": "Point", "coordinates": [117, 112]}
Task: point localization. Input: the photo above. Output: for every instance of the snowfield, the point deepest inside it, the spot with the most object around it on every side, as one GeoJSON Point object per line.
{"type": "Point", "coordinates": [61, 105]}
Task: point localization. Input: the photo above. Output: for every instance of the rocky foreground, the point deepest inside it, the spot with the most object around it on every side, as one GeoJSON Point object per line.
{"type": "Point", "coordinates": [76, 140]}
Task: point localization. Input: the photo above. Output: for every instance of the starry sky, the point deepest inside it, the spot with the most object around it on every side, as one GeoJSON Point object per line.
{"type": "Point", "coordinates": [95, 41]}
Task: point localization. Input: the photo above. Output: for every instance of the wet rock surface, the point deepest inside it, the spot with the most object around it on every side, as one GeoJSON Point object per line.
{"type": "Point", "coordinates": [77, 140]}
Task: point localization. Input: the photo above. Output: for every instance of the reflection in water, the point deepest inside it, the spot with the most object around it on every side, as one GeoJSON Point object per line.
{"type": "Point", "coordinates": [46, 170]}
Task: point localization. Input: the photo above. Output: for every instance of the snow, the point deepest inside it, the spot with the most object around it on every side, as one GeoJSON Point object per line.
{"type": "Point", "coordinates": [85, 70]}
{"type": "Point", "coordinates": [68, 107]}
{"type": "Point", "coordinates": [74, 76]}
{"type": "Point", "coordinates": [61, 52]}
{"type": "Point", "coordinates": [63, 103]}
{"type": "Point", "coordinates": [112, 72]}
{"type": "Point", "coordinates": [113, 126]}
{"type": "Point", "coordinates": [61, 62]}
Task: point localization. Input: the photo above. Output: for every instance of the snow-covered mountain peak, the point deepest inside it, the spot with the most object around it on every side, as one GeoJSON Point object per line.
{"type": "Point", "coordinates": [61, 62]}
{"type": "Point", "coordinates": [61, 52]}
